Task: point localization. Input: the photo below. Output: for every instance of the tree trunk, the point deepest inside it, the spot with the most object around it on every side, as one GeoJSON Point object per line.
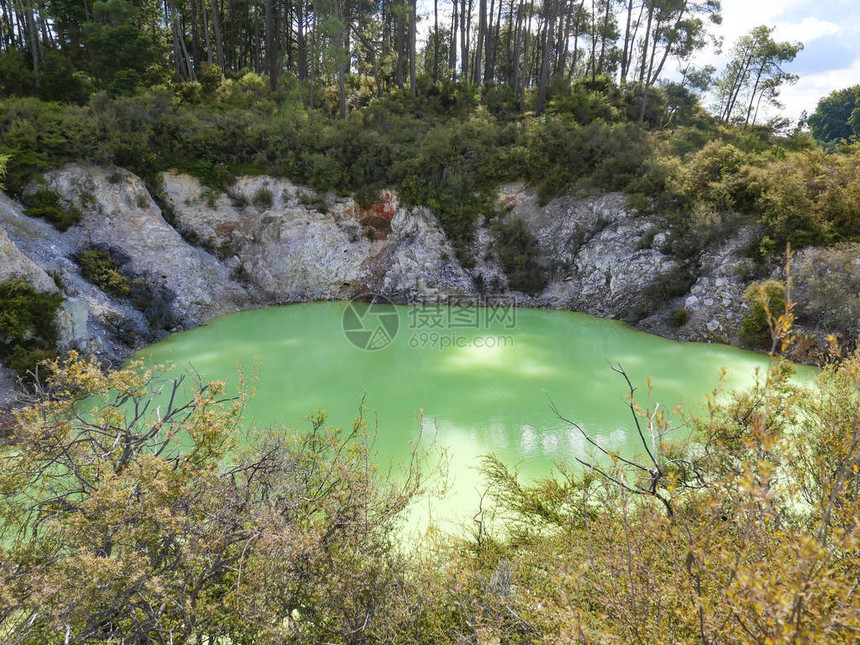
{"type": "Point", "coordinates": [645, 44]}
{"type": "Point", "coordinates": [399, 45]}
{"type": "Point", "coordinates": [195, 35]}
{"type": "Point", "coordinates": [515, 60]}
{"type": "Point", "coordinates": [604, 30]}
{"type": "Point", "coordinates": [754, 91]}
{"type": "Point", "coordinates": [488, 43]}
{"type": "Point", "coordinates": [313, 56]}
{"type": "Point", "coordinates": [206, 44]}
{"type": "Point", "coordinates": [339, 46]}
{"type": "Point", "coordinates": [216, 27]}
{"type": "Point", "coordinates": [435, 40]}
{"type": "Point", "coordinates": [413, 28]}
{"type": "Point", "coordinates": [452, 43]}
{"type": "Point", "coordinates": [464, 43]}
{"type": "Point", "coordinates": [271, 47]}
{"type": "Point", "coordinates": [479, 44]}
{"type": "Point", "coordinates": [301, 40]}
{"type": "Point", "coordinates": [33, 40]}
{"type": "Point", "coordinates": [544, 72]}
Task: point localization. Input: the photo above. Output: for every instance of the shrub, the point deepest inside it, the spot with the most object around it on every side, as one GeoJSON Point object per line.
{"type": "Point", "coordinates": [28, 324]}
{"type": "Point", "coordinates": [827, 289]}
{"type": "Point", "coordinates": [127, 496]}
{"type": "Point", "coordinates": [107, 269]}
{"type": "Point", "coordinates": [764, 299]}
{"type": "Point", "coordinates": [518, 253]}
{"type": "Point", "coordinates": [46, 205]}
{"type": "Point", "coordinates": [263, 198]}
{"type": "Point", "coordinates": [680, 317]}
{"type": "Point", "coordinates": [664, 289]}
{"type": "Point", "coordinates": [100, 268]}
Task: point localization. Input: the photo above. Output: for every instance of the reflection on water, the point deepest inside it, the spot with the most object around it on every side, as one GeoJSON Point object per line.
{"type": "Point", "coordinates": [476, 398]}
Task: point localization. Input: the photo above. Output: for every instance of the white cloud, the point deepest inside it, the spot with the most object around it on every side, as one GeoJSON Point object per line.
{"type": "Point", "coordinates": [813, 87]}
{"type": "Point", "coordinates": [805, 31]}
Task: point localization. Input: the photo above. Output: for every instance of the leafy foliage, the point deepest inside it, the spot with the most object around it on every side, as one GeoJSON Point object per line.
{"type": "Point", "coordinates": [28, 325]}
{"type": "Point", "coordinates": [765, 301]}
{"type": "Point", "coordinates": [517, 249]}
{"type": "Point", "coordinates": [46, 204]}
{"type": "Point", "coordinates": [99, 267]}
{"type": "Point", "coordinates": [121, 518]}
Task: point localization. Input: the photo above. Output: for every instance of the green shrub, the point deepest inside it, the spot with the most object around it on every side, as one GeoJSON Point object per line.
{"type": "Point", "coordinates": [518, 252]}
{"type": "Point", "coordinates": [664, 289]}
{"type": "Point", "coordinates": [28, 324]}
{"type": "Point", "coordinates": [46, 205]}
{"type": "Point", "coordinates": [263, 198]}
{"type": "Point", "coordinates": [100, 268]}
{"type": "Point", "coordinates": [680, 317]}
{"type": "Point", "coordinates": [763, 297]}
{"type": "Point", "coordinates": [106, 269]}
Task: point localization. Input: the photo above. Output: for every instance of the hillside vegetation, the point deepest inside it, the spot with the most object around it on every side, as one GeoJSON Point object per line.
{"type": "Point", "coordinates": [343, 96]}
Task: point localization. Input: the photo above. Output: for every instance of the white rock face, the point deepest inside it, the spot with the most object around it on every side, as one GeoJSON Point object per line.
{"type": "Point", "coordinates": [54, 251]}
{"type": "Point", "coordinates": [13, 263]}
{"type": "Point", "coordinates": [118, 212]}
{"type": "Point", "coordinates": [715, 305]}
{"type": "Point", "coordinates": [592, 251]}
{"type": "Point", "coordinates": [72, 319]}
{"type": "Point", "coordinates": [418, 259]}
{"type": "Point", "coordinates": [295, 245]}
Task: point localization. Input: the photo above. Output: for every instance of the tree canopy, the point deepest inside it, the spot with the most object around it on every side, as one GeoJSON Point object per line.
{"type": "Point", "coordinates": [837, 116]}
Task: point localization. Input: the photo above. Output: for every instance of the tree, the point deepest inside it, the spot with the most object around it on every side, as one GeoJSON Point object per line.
{"type": "Point", "coordinates": [755, 74]}
{"type": "Point", "coordinates": [116, 44]}
{"type": "Point", "coordinates": [837, 116]}
{"type": "Point", "coordinates": [673, 28]}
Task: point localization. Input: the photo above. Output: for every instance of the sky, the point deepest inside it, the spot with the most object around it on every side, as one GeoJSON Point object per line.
{"type": "Point", "coordinates": [829, 30]}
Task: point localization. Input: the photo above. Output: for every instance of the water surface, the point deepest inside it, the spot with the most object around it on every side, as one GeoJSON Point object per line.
{"type": "Point", "coordinates": [480, 385]}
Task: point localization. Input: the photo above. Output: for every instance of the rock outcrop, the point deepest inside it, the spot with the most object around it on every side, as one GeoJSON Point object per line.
{"type": "Point", "coordinates": [593, 251]}
{"type": "Point", "coordinates": [119, 213]}
{"type": "Point", "coordinates": [292, 244]}
{"type": "Point", "coordinates": [14, 263]}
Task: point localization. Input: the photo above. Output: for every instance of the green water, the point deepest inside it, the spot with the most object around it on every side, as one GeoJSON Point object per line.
{"type": "Point", "coordinates": [488, 396]}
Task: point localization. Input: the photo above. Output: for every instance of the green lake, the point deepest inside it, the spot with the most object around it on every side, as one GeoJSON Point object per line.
{"type": "Point", "coordinates": [480, 378]}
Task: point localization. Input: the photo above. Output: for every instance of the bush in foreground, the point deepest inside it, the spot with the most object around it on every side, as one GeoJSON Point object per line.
{"type": "Point", "coordinates": [130, 513]}
{"type": "Point", "coordinates": [141, 520]}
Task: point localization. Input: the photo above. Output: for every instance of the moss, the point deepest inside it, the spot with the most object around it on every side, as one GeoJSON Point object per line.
{"type": "Point", "coordinates": [46, 204]}
{"type": "Point", "coordinates": [28, 325]}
